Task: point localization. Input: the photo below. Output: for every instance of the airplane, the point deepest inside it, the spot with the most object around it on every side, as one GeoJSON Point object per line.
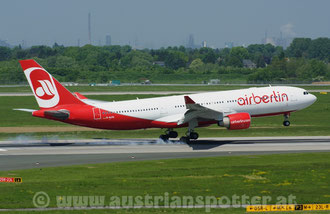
{"type": "Point", "coordinates": [231, 109]}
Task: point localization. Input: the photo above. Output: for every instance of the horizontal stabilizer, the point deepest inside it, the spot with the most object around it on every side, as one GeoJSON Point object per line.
{"type": "Point", "coordinates": [24, 109]}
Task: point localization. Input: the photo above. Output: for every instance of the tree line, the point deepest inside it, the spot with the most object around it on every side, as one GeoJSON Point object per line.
{"type": "Point", "coordinates": [304, 61]}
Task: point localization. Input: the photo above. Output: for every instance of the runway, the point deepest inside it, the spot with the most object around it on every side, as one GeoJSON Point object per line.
{"type": "Point", "coordinates": [41, 153]}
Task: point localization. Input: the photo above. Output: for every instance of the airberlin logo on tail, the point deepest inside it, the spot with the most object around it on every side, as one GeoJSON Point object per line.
{"type": "Point", "coordinates": [46, 89]}
{"type": "Point", "coordinates": [255, 99]}
{"type": "Point", "coordinates": [43, 87]}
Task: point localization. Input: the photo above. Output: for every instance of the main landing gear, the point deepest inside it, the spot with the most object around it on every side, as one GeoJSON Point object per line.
{"type": "Point", "coordinates": [190, 135]}
{"type": "Point", "coordinates": [168, 134]}
{"type": "Point", "coordinates": [286, 121]}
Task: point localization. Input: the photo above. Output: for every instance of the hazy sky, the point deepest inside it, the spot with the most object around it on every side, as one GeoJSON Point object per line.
{"type": "Point", "coordinates": [155, 23]}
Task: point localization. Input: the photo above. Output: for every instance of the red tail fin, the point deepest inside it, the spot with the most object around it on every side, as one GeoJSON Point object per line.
{"type": "Point", "coordinates": [48, 92]}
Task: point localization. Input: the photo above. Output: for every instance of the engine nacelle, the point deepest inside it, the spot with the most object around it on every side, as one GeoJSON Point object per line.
{"type": "Point", "coordinates": [236, 121]}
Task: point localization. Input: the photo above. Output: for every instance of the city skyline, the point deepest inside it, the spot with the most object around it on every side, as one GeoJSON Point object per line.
{"type": "Point", "coordinates": [154, 24]}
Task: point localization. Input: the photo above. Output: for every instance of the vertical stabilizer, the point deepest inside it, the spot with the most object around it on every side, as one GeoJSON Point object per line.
{"type": "Point", "coordinates": [48, 92]}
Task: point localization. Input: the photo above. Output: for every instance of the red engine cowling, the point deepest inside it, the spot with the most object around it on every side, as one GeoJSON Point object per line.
{"type": "Point", "coordinates": [236, 121]}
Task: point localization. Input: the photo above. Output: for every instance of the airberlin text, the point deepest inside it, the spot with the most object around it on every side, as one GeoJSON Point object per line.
{"type": "Point", "coordinates": [275, 97]}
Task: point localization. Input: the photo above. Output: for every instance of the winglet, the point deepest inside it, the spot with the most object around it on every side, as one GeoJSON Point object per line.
{"type": "Point", "coordinates": [80, 96]}
{"type": "Point", "coordinates": [188, 100]}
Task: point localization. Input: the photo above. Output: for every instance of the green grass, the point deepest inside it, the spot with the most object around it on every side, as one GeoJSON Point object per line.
{"type": "Point", "coordinates": [190, 211]}
{"type": "Point", "coordinates": [312, 121]}
{"type": "Point", "coordinates": [154, 88]}
{"type": "Point", "coordinates": [305, 176]}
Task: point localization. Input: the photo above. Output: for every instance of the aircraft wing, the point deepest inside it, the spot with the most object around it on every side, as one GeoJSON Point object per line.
{"type": "Point", "coordinates": [86, 100]}
{"type": "Point", "coordinates": [196, 111]}
{"type": "Point", "coordinates": [199, 112]}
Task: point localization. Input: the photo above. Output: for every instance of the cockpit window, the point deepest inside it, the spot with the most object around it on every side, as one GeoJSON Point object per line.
{"type": "Point", "coordinates": [305, 92]}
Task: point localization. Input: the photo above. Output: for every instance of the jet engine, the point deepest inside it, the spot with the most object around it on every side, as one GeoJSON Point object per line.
{"type": "Point", "coordinates": [236, 121]}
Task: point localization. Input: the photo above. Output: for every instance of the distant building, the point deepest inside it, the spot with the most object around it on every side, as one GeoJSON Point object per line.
{"type": "Point", "coordinates": [4, 44]}
{"type": "Point", "coordinates": [249, 64]}
{"type": "Point", "coordinates": [145, 81]}
{"type": "Point", "coordinates": [191, 42]}
{"type": "Point", "coordinates": [69, 83]}
{"type": "Point", "coordinates": [24, 44]}
{"type": "Point", "coordinates": [269, 40]}
{"type": "Point", "coordinates": [160, 63]}
{"type": "Point", "coordinates": [229, 44]}
{"type": "Point", "coordinates": [114, 82]}
{"type": "Point", "coordinates": [107, 40]}
{"type": "Point", "coordinates": [204, 45]}
{"type": "Point", "coordinates": [214, 82]}
{"type": "Point", "coordinates": [281, 41]}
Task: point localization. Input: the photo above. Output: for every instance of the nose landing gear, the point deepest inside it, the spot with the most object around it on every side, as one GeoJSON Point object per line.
{"type": "Point", "coordinates": [286, 121]}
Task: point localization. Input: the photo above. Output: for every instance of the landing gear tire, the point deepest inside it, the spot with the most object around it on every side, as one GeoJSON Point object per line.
{"type": "Point", "coordinates": [164, 137]}
{"type": "Point", "coordinates": [286, 120]}
{"type": "Point", "coordinates": [193, 135]}
{"type": "Point", "coordinates": [286, 123]}
{"type": "Point", "coordinates": [185, 139]}
{"type": "Point", "coordinates": [172, 134]}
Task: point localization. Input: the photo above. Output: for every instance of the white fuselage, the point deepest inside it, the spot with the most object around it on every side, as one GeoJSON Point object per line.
{"type": "Point", "coordinates": [255, 101]}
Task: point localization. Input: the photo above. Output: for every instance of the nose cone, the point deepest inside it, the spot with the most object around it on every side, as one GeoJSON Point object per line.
{"type": "Point", "coordinates": [310, 99]}
{"type": "Point", "coordinates": [313, 98]}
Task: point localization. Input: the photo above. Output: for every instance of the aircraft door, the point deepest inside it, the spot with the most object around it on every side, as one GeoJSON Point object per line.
{"type": "Point", "coordinates": [97, 113]}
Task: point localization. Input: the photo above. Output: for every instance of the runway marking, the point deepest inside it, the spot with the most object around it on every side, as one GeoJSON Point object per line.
{"type": "Point", "coordinates": [165, 148]}
{"type": "Point", "coordinates": [3, 150]}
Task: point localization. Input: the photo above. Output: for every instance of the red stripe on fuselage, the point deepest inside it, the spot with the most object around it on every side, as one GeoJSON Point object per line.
{"type": "Point", "coordinates": [82, 115]}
